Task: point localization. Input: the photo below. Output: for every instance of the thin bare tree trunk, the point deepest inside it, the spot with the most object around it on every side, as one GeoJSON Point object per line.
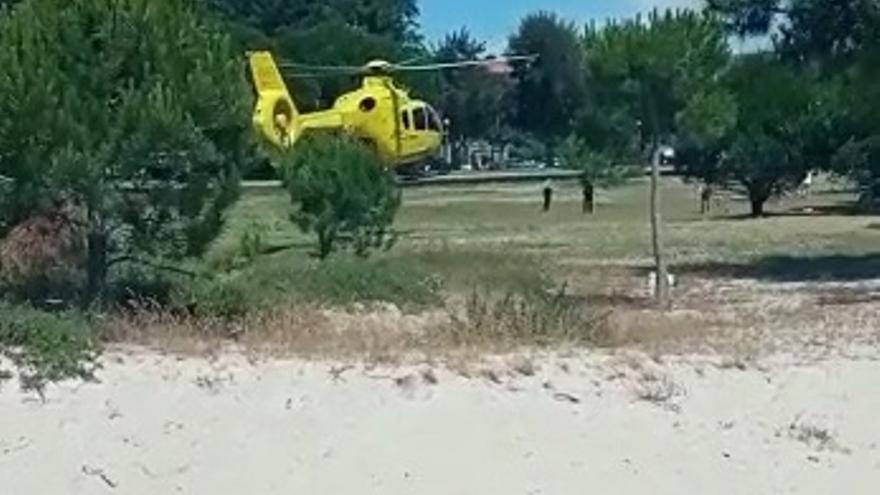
{"type": "Point", "coordinates": [662, 282]}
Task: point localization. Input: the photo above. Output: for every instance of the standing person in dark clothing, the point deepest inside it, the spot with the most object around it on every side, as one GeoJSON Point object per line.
{"type": "Point", "coordinates": [706, 193]}
{"type": "Point", "coordinates": [589, 205]}
{"type": "Point", "coordinates": [548, 194]}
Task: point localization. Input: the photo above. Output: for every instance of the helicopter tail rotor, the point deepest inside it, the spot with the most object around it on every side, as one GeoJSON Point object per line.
{"type": "Point", "coordinates": [276, 116]}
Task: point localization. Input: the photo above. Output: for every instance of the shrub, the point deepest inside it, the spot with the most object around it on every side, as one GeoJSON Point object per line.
{"type": "Point", "coordinates": [527, 314]}
{"type": "Point", "coordinates": [344, 194]}
{"type": "Point", "coordinates": [141, 111]}
{"type": "Point", "coordinates": [225, 296]}
{"type": "Point", "coordinates": [45, 346]}
{"type": "Point", "coordinates": [278, 280]}
{"type": "Point", "coordinates": [41, 256]}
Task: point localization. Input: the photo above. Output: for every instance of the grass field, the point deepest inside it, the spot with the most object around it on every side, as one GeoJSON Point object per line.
{"type": "Point", "coordinates": [458, 228]}
{"type": "Point", "coordinates": [809, 268]}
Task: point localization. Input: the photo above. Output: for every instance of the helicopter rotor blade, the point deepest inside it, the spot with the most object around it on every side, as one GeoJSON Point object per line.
{"type": "Point", "coordinates": [463, 64]}
{"type": "Point", "coordinates": [309, 71]}
{"type": "Point", "coordinates": [316, 75]}
{"type": "Point", "coordinates": [320, 68]}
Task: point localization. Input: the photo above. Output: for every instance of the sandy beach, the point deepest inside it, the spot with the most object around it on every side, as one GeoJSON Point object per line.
{"type": "Point", "coordinates": [591, 422]}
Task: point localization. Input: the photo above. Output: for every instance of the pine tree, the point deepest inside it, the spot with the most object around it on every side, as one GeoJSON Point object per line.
{"type": "Point", "coordinates": [132, 112]}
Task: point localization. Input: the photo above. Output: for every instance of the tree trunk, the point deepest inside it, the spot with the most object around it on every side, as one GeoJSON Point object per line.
{"type": "Point", "coordinates": [325, 243]}
{"type": "Point", "coordinates": [757, 208]}
{"type": "Point", "coordinates": [96, 265]}
{"type": "Point", "coordinates": [662, 285]}
{"type": "Point", "coordinates": [589, 205]}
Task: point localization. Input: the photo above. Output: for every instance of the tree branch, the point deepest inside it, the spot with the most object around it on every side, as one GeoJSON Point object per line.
{"type": "Point", "coordinates": [150, 264]}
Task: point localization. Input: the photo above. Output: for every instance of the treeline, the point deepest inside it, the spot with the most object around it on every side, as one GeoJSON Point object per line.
{"type": "Point", "coordinates": [805, 98]}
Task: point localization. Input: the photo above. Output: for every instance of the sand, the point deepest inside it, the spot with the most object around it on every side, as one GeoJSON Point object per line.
{"type": "Point", "coordinates": [585, 423]}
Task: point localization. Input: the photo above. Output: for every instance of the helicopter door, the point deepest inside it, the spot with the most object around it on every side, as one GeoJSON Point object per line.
{"type": "Point", "coordinates": [410, 131]}
{"type": "Point", "coordinates": [420, 126]}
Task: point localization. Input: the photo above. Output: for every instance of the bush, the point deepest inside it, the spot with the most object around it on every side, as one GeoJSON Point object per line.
{"type": "Point", "coordinates": [141, 107]}
{"type": "Point", "coordinates": [531, 313]}
{"type": "Point", "coordinates": [226, 296]}
{"type": "Point", "coordinates": [343, 193]}
{"type": "Point", "coordinates": [46, 347]}
{"type": "Point", "coordinates": [276, 280]}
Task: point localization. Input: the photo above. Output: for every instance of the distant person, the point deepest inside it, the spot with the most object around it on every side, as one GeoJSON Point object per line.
{"type": "Point", "coordinates": [547, 189]}
{"type": "Point", "coordinates": [806, 185]}
{"type": "Point", "coordinates": [706, 194]}
{"type": "Point", "coordinates": [589, 204]}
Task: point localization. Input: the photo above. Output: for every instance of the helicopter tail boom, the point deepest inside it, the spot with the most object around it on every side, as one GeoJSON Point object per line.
{"type": "Point", "coordinates": [276, 116]}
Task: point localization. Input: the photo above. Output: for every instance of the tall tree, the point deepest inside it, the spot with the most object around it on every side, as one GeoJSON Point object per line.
{"type": "Point", "coordinates": [262, 19]}
{"type": "Point", "coordinates": [469, 97]}
{"type": "Point", "coordinates": [655, 67]}
{"type": "Point", "coordinates": [131, 112]}
{"type": "Point", "coordinates": [835, 44]}
{"type": "Point", "coordinates": [327, 32]}
{"type": "Point", "coordinates": [547, 94]}
{"type": "Point", "coordinates": [766, 150]}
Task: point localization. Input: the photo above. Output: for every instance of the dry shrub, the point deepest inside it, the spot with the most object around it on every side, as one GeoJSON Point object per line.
{"type": "Point", "coordinates": [530, 316]}
{"type": "Point", "coordinates": [42, 250]}
{"type": "Point", "coordinates": [379, 333]}
{"type": "Point", "coordinates": [658, 389]}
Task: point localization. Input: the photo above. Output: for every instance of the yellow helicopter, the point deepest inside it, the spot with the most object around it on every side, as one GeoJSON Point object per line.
{"type": "Point", "coordinates": [402, 130]}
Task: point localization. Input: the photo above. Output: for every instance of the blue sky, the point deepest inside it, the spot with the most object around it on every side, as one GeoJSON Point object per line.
{"type": "Point", "coordinates": [494, 20]}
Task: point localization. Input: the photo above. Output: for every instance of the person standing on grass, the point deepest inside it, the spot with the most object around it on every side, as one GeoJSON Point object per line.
{"type": "Point", "coordinates": [589, 202]}
{"type": "Point", "coordinates": [548, 194]}
{"type": "Point", "coordinates": [806, 186]}
{"type": "Point", "coordinates": [706, 193]}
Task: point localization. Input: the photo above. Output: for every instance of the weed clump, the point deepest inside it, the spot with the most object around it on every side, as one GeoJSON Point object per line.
{"type": "Point", "coordinates": [526, 315]}
{"type": "Point", "coordinates": [46, 347]}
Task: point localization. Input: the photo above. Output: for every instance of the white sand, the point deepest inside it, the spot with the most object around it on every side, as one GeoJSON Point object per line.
{"type": "Point", "coordinates": [159, 425]}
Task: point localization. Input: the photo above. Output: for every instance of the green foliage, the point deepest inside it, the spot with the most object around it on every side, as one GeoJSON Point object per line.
{"type": "Point", "coordinates": [332, 42]}
{"type": "Point", "coordinates": [651, 70]}
{"type": "Point", "coordinates": [259, 20]}
{"type": "Point", "coordinates": [599, 169]}
{"type": "Point", "coordinates": [705, 128]}
{"type": "Point", "coordinates": [328, 32]}
{"type": "Point", "coordinates": [131, 111]}
{"type": "Point", "coordinates": [834, 46]}
{"type": "Point", "coordinates": [343, 193]}
{"type": "Point", "coordinates": [766, 150]}
{"type": "Point", "coordinates": [273, 281]}
{"type": "Point", "coordinates": [747, 17]}
{"type": "Point", "coordinates": [353, 280]}
{"type": "Point", "coordinates": [46, 347]}
{"type": "Point", "coordinates": [547, 94]}
{"type": "Point", "coordinates": [467, 96]}
{"type": "Point", "coordinates": [529, 314]}
{"type": "Point", "coordinates": [806, 29]}
{"type": "Point", "coordinates": [861, 160]}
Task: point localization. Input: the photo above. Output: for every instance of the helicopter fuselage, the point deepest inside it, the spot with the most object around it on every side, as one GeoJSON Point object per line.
{"type": "Point", "coordinates": [402, 130]}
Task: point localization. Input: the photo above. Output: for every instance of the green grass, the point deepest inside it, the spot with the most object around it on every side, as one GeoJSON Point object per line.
{"type": "Point", "coordinates": [619, 231]}
{"type": "Point", "coordinates": [496, 237]}
{"type": "Point", "coordinates": [496, 234]}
